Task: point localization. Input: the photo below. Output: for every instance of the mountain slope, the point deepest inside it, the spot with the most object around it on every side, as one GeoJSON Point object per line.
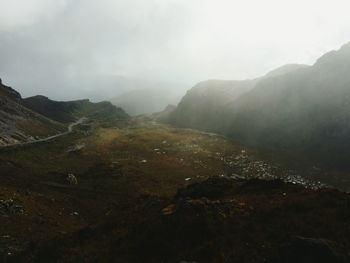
{"type": "Point", "coordinates": [68, 111]}
{"type": "Point", "coordinates": [204, 105]}
{"type": "Point", "coordinates": [284, 70]}
{"type": "Point", "coordinates": [19, 124]}
{"type": "Point", "coordinates": [23, 120]}
{"type": "Point", "coordinates": [305, 111]}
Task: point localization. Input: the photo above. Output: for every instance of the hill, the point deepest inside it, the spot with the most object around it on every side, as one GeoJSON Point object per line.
{"type": "Point", "coordinates": [18, 123]}
{"type": "Point", "coordinates": [152, 193]}
{"type": "Point", "coordinates": [68, 111]}
{"type": "Point", "coordinates": [38, 117]}
{"type": "Point", "coordinates": [295, 109]}
{"type": "Point", "coordinates": [306, 111]}
{"type": "Point", "coordinates": [204, 105]}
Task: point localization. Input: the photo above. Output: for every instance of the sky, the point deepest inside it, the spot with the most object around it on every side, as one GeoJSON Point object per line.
{"type": "Point", "coordinates": [68, 49]}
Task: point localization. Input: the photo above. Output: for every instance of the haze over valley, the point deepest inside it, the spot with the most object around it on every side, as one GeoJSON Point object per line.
{"type": "Point", "coordinates": [174, 131]}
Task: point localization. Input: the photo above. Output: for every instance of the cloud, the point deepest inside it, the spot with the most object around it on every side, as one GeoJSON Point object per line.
{"type": "Point", "coordinates": [65, 48]}
{"type": "Point", "coordinates": [24, 13]}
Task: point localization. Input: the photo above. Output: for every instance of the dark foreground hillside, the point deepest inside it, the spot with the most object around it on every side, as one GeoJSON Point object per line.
{"type": "Point", "coordinates": [149, 193]}
{"type": "Point", "coordinates": [218, 220]}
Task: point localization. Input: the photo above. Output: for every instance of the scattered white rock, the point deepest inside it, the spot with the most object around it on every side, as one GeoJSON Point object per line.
{"type": "Point", "coordinates": [71, 179]}
{"type": "Point", "coordinates": [76, 148]}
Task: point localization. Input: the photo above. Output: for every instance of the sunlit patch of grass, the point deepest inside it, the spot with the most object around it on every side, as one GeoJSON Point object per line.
{"type": "Point", "coordinates": [152, 159]}
{"type": "Point", "coordinates": [158, 159]}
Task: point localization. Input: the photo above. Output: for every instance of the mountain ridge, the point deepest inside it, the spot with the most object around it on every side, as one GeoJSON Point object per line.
{"type": "Point", "coordinates": [33, 118]}
{"type": "Point", "coordinates": [297, 111]}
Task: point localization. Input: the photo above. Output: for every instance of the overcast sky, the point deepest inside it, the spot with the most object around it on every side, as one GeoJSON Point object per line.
{"type": "Point", "coordinates": [69, 48]}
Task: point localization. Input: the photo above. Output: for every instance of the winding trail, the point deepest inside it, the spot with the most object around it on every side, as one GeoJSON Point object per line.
{"type": "Point", "coordinates": [69, 130]}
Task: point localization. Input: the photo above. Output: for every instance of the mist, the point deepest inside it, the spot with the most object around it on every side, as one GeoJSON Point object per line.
{"type": "Point", "coordinates": [209, 131]}
{"type": "Point", "coordinates": [101, 49]}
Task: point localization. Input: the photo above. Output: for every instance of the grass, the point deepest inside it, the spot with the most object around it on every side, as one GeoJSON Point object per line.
{"type": "Point", "coordinates": [126, 176]}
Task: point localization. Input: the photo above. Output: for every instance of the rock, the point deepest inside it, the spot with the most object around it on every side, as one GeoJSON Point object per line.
{"type": "Point", "coordinates": [76, 148]}
{"type": "Point", "coordinates": [71, 179]}
{"type": "Point", "coordinates": [312, 250]}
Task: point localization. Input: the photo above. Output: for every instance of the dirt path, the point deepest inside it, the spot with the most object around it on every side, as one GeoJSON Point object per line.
{"type": "Point", "coordinates": [69, 130]}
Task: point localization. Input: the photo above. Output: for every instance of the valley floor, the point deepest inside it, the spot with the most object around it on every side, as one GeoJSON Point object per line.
{"type": "Point", "coordinates": [126, 205]}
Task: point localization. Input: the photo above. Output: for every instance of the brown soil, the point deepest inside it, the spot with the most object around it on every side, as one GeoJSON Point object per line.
{"type": "Point", "coordinates": [127, 206]}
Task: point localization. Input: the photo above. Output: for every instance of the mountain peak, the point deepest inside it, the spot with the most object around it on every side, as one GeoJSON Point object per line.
{"type": "Point", "coordinates": [335, 57]}
{"type": "Point", "coordinates": [346, 46]}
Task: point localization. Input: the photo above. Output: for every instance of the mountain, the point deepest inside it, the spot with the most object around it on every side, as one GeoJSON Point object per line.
{"type": "Point", "coordinates": [147, 101]}
{"type": "Point", "coordinates": [23, 120]}
{"type": "Point", "coordinates": [303, 110]}
{"type": "Point", "coordinates": [68, 111]}
{"type": "Point", "coordinates": [306, 111]}
{"type": "Point", "coordinates": [284, 70]}
{"type": "Point", "coordinates": [164, 114]}
{"type": "Point", "coordinates": [55, 110]}
{"type": "Point", "coordinates": [204, 105]}
{"type": "Point", "coordinates": [18, 123]}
